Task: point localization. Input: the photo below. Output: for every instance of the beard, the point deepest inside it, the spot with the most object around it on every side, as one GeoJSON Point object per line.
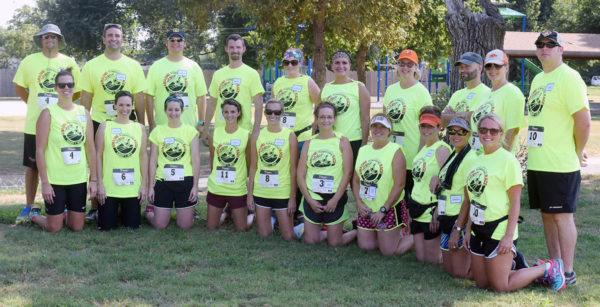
{"type": "Point", "coordinates": [468, 76]}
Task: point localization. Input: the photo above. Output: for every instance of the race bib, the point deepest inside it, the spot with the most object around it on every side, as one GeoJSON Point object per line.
{"type": "Point", "coordinates": [173, 172]}
{"type": "Point", "coordinates": [123, 176]}
{"type": "Point", "coordinates": [269, 179]}
{"type": "Point", "coordinates": [367, 191]}
{"type": "Point", "coordinates": [71, 155]}
{"type": "Point", "coordinates": [322, 184]}
{"type": "Point", "coordinates": [225, 175]}
{"type": "Point", "coordinates": [441, 207]}
{"type": "Point", "coordinates": [475, 142]}
{"type": "Point", "coordinates": [398, 137]}
{"type": "Point", "coordinates": [535, 136]}
{"type": "Point", "coordinates": [477, 213]}
{"type": "Point", "coordinates": [288, 120]}
{"type": "Point", "coordinates": [184, 98]}
{"type": "Point", "coordinates": [109, 107]}
{"type": "Point", "coordinates": [46, 99]}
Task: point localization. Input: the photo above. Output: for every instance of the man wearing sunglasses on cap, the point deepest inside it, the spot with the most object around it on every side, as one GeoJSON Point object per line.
{"type": "Point", "coordinates": [176, 75]}
{"type": "Point", "coordinates": [106, 75]}
{"type": "Point", "coordinates": [34, 84]}
{"type": "Point", "coordinates": [559, 127]}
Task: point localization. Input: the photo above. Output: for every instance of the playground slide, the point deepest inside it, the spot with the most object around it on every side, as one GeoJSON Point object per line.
{"type": "Point", "coordinates": [531, 66]}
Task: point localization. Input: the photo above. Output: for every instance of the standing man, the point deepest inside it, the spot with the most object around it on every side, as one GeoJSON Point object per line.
{"type": "Point", "coordinates": [176, 75]}
{"type": "Point", "coordinates": [559, 127]}
{"type": "Point", "coordinates": [103, 77]}
{"type": "Point", "coordinates": [34, 83]}
{"type": "Point", "coordinates": [465, 101]}
{"type": "Point", "coordinates": [236, 81]}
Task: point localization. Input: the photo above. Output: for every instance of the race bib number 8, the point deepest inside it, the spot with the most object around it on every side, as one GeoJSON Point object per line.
{"type": "Point", "coordinates": [477, 213]}
{"type": "Point", "coordinates": [46, 99]}
{"type": "Point", "coordinates": [71, 155]}
{"type": "Point", "coordinates": [269, 179]}
{"type": "Point", "coordinates": [288, 120]}
{"type": "Point", "coordinates": [368, 192]}
{"type": "Point", "coordinates": [535, 136]}
{"type": "Point", "coordinates": [123, 176]}
{"type": "Point", "coordinates": [322, 184]}
{"type": "Point", "coordinates": [225, 175]}
{"type": "Point", "coordinates": [173, 172]}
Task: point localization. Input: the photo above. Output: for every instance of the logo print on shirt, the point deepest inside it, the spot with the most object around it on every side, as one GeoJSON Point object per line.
{"type": "Point", "coordinates": [396, 110]}
{"type": "Point", "coordinates": [288, 98]}
{"type": "Point", "coordinates": [419, 168]}
{"type": "Point", "coordinates": [228, 90]}
{"type": "Point", "coordinates": [536, 101]}
{"type": "Point", "coordinates": [340, 101]}
{"type": "Point", "coordinates": [486, 108]}
{"type": "Point", "coordinates": [269, 154]}
{"type": "Point", "coordinates": [370, 171]}
{"type": "Point", "coordinates": [124, 145]}
{"type": "Point", "coordinates": [45, 79]}
{"type": "Point", "coordinates": [322, 158]}
{"type": "Point", "coordinates": [110, 84]}
{"type": "Point", "coordinates": [228, 155]}
{"type": "Point", "coordinates": [72, 132]}
{"type": "Point", "coordinates": [174, 151]}
{"type": "Point", "coordinates": [174, 83]}
{"type": "Point", "coordinates": [477, 181]}
{"type": "Point", "coordinates": [462, 106]}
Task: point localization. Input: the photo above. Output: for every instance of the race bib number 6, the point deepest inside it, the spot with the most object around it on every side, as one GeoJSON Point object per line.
{"type": "Point", "coordinates": [123, 176]}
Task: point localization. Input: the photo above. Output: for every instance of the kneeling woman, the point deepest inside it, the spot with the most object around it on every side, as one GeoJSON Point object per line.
{"type": "Point", "coordinates": [175, 166]}
{"type": "Point", "coordinates": [122, 167]}
{"type": "Point", "coordinates": [272, 175]}
{"type": "Point", "coordinates": [378, 187]}
{"type": "Point", "coordinates": [324, 170]}
{"type": "Point", "coordinates": [229, 156]}
{"type": "Point", "coordinates": [426, 166]}
{"type": "Point", "coordinates": [494, 185]}
{"type": "Point", "coordinates": [62, 132]}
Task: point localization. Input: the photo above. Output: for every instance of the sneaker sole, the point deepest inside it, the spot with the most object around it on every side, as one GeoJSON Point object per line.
{"type": "Point", "coordinates": [559, 263]}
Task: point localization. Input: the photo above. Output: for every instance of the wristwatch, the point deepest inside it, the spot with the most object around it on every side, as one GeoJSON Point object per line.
{"type": "Point", "coordinates": [458, 228]}
{"type": "Point", "coordinates": [383, 209]}
{"type": "Point", "coordinates": [200, 122]}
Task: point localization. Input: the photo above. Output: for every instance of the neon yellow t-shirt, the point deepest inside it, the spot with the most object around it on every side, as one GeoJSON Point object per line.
{"type": "Point", "coordinates": [297, 104]}
{"type": "Point", "coordinates": [488, 182]}
{"type": "Point", "coordinates": [273, 176]}
{"type": "Point", "coordinates": [554, 98]}
{"type": "Point", "coordinates": [456, 194]}
{"type": "Point", "coordinates": [424, 167]}
{"type": "Point", "coordinates": [507, 102]}
{"type": "Point", "coordinates": [121, 172]}
{"type": "Point", "coordinates": [229, 169]}
{"type": "Point", "coordinates": [345, 97]}
{"type": "Point", "coordinates": [403, 106]}
{"type": "Point", "coordinates": [36, 73]}
{"type": "Point", "coordinates": [375, 170]}
{"type": "Point", "coordinates": [183, 78]}
{"type": "Point", "coordinates": [468, 100]}
{"type": "Point", "coordinates": [104, 78]}
{"type": "Point", "coordinates": [241, 84]}
{"type": "Point", "coordinates": [174, 151]}
{"type": "Point", "coordinates": [324, 166]}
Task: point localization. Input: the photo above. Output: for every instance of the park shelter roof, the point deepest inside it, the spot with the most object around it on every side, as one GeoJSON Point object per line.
{"type": "Point", "coordinates": [576, 45]}
{"type": "Point", "coordinates": [510, 13]}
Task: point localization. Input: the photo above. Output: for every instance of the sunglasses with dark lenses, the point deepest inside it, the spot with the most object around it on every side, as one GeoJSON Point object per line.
{"type": "Point", "coordinates": [496, 66]}
{"type": "Point", "coordinates": [271, 112]}
{"type": "Point", "coordinates": [460, 132]}
{"type": "Point", "coordinates": [113, 25]}
{"type": "Point", "coordinates": [549, 45]}
{"type": "Point", "coordinates": [293, 62]}
{"type": "Point", "coordinates": [63, 85]}
{"type": "Point", "coordinates": [492, 131]}
{"type": "Point", "coordinates": [50, 36]}
{"type": "Point", "coordinates": [178, 40]}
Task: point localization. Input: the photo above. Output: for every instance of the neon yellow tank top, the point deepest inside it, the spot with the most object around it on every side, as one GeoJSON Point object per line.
{"type": "Point", "coordinates": [297, 105]}
{"type": "Point", "coordinates": [229, 170]}
{"type": "Point", "coordinates": [324, 166]}
{"type": "Point", "coordinates": [346, 100]}
{"type": "Point", "coordinates": [272, 178]}
{"type": "Point", "coordinates": [121, 159]}
{"type": "Point", "coordinates": [425, 165]}
{"type": "Point", "coordinates": [66, 161]}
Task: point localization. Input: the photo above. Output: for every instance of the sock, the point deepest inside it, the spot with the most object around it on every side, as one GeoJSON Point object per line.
{"type": "Point", "coordinates": [547, 269]}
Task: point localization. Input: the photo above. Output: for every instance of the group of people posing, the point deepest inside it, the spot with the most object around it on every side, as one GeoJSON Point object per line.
{"type": "Point", "coordinates": [455, 204]}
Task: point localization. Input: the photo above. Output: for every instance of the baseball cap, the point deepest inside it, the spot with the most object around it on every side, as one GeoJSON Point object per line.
{"type": "Point", "coordinates": [430, 119]}
{"type": "Point", "coordinates": [410, 55]}
{"type": "Point", "coordinates": [49, 28]}
{"type": "Point", "coordinates": [551, 35]}
{"type": "Point", "coordinates": [176, 31]}
{"type": "Point", "coordinates": [292, 53]}
{"type": "Point", "coordinates": [469, 58]}
{"type": "Point", "coordinates": [496, 56]}
{"type": "Point", "coordinates": [460, 122]}
{"type": "Point", "coordinates": [381, 120]}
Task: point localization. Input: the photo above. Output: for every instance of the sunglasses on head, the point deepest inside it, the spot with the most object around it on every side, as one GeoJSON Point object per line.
{"type": "Point", "coordinates": [178, 40]}
{"type": "Point", "coordinates": [112, 25]}
{"type": "Point", "coordinates": [460, 132]}
{"type": "Point", "coordinates": [496, 66]}
{"type": "Point", "coordinates": [50, 36]}
{"type": "Point", "coordinates": [293, 62]}
{"type": "Point", "coordinates": [492, 131]}
{"type": "Point", "coordinates": [271, 112]}
{"type": "Point", "coordinates": [68, 84]}
{"type": "Point", "coordinates": [549, 45]}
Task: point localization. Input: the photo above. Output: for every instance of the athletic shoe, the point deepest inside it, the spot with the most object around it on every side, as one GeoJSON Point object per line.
{"type": "Point", "coordinates": [24, 216]}
{"type": "Point", "coordinates": [556, 275]}
{"type": "Point", "coordinates": [519, 261]}
{"type": "Point", "coordinates": [92, 215]}
{"type": "Point", "coordinates": [299, 230]}
{"type": "Point", "coordinates": [571, 278]}
{"type": "Point", "coordinates": [273, 221]}
{"type": "Point", "coordinates": [149, 209]}
{"type": "Point", "coordinates": [544, 279]}
{"type": "Point", "coordinates": [35, 210]}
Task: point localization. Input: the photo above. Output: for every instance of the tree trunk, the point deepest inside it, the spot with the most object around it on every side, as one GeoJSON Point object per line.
{"type": "Point", "coordinates": [361, 58]}
{"type": "Point", "coordinates": [478, 33]}
{"type": "Point", "coordinates": [318, 63]}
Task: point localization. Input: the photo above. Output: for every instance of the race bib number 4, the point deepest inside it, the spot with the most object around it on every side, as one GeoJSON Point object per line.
{"type": "Point", "coordinates": [288, 120]}
{"type": "Point", "coordinates": [71, 155]}
{"type": "Point", "coordinates": [109, 107]}
{"type": "Point", "coordinates": [225, 175]}
{"type": "Point", "coordinates": [123, 176]}
{"type": "Point", "coordinates": [398, 137]}
{"type": "Point", "coordinates": [269, 179]}
{"type": "Point", "coordinates": [475, 142]}
{"type": "Point", "coordinates": [535, 136]}
{"type": "Point", "coordinates": [173, 172]}
{"type": "Point", "coordinates": [477, 213]}
{"type": "Point", "coordinates": [46, 99]}
{"type": "Point", "coordinates": [367, 192]}
{"type": "Point", "coordinates": [322, 184]}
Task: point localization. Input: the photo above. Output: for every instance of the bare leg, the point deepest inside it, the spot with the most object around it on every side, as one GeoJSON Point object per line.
{"type": "Point", "coordinates": [391, 242]}
{"type": "Point", "coordinates": [551, 234]}
{"type": "Point", "coordinates": [159, 218]}
{"type": "Point", "coordinates": [433, 254]}
{"type": "Point", "coordinates": [366, 239]}
{"type": "Point", "coordinates": [567, 237]}
{"type": "Point", "coordinates": [460, 263]}
{"type": "Point", "coordinates": [313, 233]}
{"type": "Point", "coordinates": [185, 217]}
{"type": "Point", "coordinates": [31, 185]}
{"type": "Point", "coordinates": [502, 279]}
{"type": "Point", "coordinates": [337, 237]}
{"type": "Point", "coordinates": [213, 217]}
{"type": "Point", "coordinates": [240, 218]}
{"type": "Point", "coordinates": [286, 225]}
{"type": "Point", "coordinates": [419, 246]}
{"type": "Point", "coordinates": [479, 271]}
{"type": "Point", "coordinates": [49, 223]}
{"type": "Point", "coordinates": [75, 220]}
{"type": "Point", "coordinates": [263, 221]}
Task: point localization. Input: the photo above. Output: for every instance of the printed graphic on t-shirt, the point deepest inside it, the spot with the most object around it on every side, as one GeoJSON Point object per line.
{"type": "Point", "coordinates": [45, 79]}
{"type": "Point", "coordinates": [173, 149]}
{"type": "Point", "coordinates": [288, 98]}
{"type": "Point", "coordinates": [536, 101]}
{"type": "Point", "coordinates": [396, 110]}
{"type": "Point", "coordinates": [124, 145]}
{"type": "Point", "coordinates": [340, 101]}
{"type": "Point", "coordinates": [112, 82]}
{"type": "Point", "coordinates": [322, 158]}
{"type": "Point", "coordinates": [228, 154]}
{"type": "Point", "coordinates": [477, 181]}
{"type": "Point", "coordinates": [419, 168]}
{"type": "Point", "coordinates": [270, 154]}
{"type": "Point", "coordinates": [370, 171]}
{"type": "Point", "coordinates": [175, 81]}
{"type": "Point", "coordinates": [484, 109]}
{"type": "Point", "coordinates": [72, 132]}
{"type": "Point", "coordinates": [230, 88]}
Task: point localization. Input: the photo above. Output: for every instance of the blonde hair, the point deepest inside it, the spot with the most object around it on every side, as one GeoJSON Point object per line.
{"type": "Point", "coordinates": [493, 117]}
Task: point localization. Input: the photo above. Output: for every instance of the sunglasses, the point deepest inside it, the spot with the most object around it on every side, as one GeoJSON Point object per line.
{"type": "Point", "coordinates": [176, 40]}
{"type": "Point", "coordinates": [271, 112]}
{"type": "Point", "coordinates": [112, 25]}
{"type": "Point", "coordinates": [492, 131]}
{"type": "Point", "coordinates": [50, 36]}
{"type": "Point", "coordinates": [293, 62]}
{"type": "Point", "coordinates": [63, 85]}
{"type": "Point", "coordinates": [496, 66]}
{"type": "Point", "coordinates": [549, 45]}
{"type": "Point", "coordinates": [460, 132]}
{"type": "Point", "coordinates": [400, 64]}
{"type": "Point", "coordinates": [325, 117]}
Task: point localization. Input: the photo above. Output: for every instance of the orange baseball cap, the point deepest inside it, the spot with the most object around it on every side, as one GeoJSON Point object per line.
{"type": "Point", "coordinates": [496, 56]}
{"type": "Point", "coordinates": [410, 55]}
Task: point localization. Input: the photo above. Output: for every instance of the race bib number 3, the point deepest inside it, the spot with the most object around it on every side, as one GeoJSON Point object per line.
{"type": "Point", "coordinates": [109, 107]}
{"type": "Point", "coordinates": [368, 192]}
{"type": "Point", "coordinates": [46, 99]}
{"type": "Point", "coordinates": [441, 207]}
{"type": "Point", "coordinates": [322, 184]}
{"type": "Point", "coordinates": [475, 142]}
{"type": "Point", "coordinates": [477, 213]}
{"type": "Point", "coordinates": [398, 137]}
{"type": "Point", "coordinates": [225, 175]}
{"type": "Point", "coordinates": [173, 172]}
{"type": "Point", "coordinates": [535, 136]}
{"type": "Point", "coordinates": [123, 176]}
{"type": "Point", "coordinates": [288, 120]}
{"type": "Point", "coordinates": [71, 155]}
{"type": "Point", "coordinates": [269, 179]}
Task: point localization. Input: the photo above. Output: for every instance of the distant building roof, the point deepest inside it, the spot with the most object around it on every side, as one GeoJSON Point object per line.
{"type": "Point", "coordinates": [576, 45]}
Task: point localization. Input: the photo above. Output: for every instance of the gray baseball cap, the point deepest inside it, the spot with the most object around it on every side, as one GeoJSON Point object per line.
{"type": "Point", "coordinates": [469, 58]}
{"type": "Point", "coordinates": [460, 122]}
{"type": "Point", "coordinates": [49, 28]}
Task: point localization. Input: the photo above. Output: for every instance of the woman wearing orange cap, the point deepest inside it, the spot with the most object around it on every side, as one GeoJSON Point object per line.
{"type": "Point", "coordinates": [402, 102]}
{"type": "Point", "coordinates": [422, 202]}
